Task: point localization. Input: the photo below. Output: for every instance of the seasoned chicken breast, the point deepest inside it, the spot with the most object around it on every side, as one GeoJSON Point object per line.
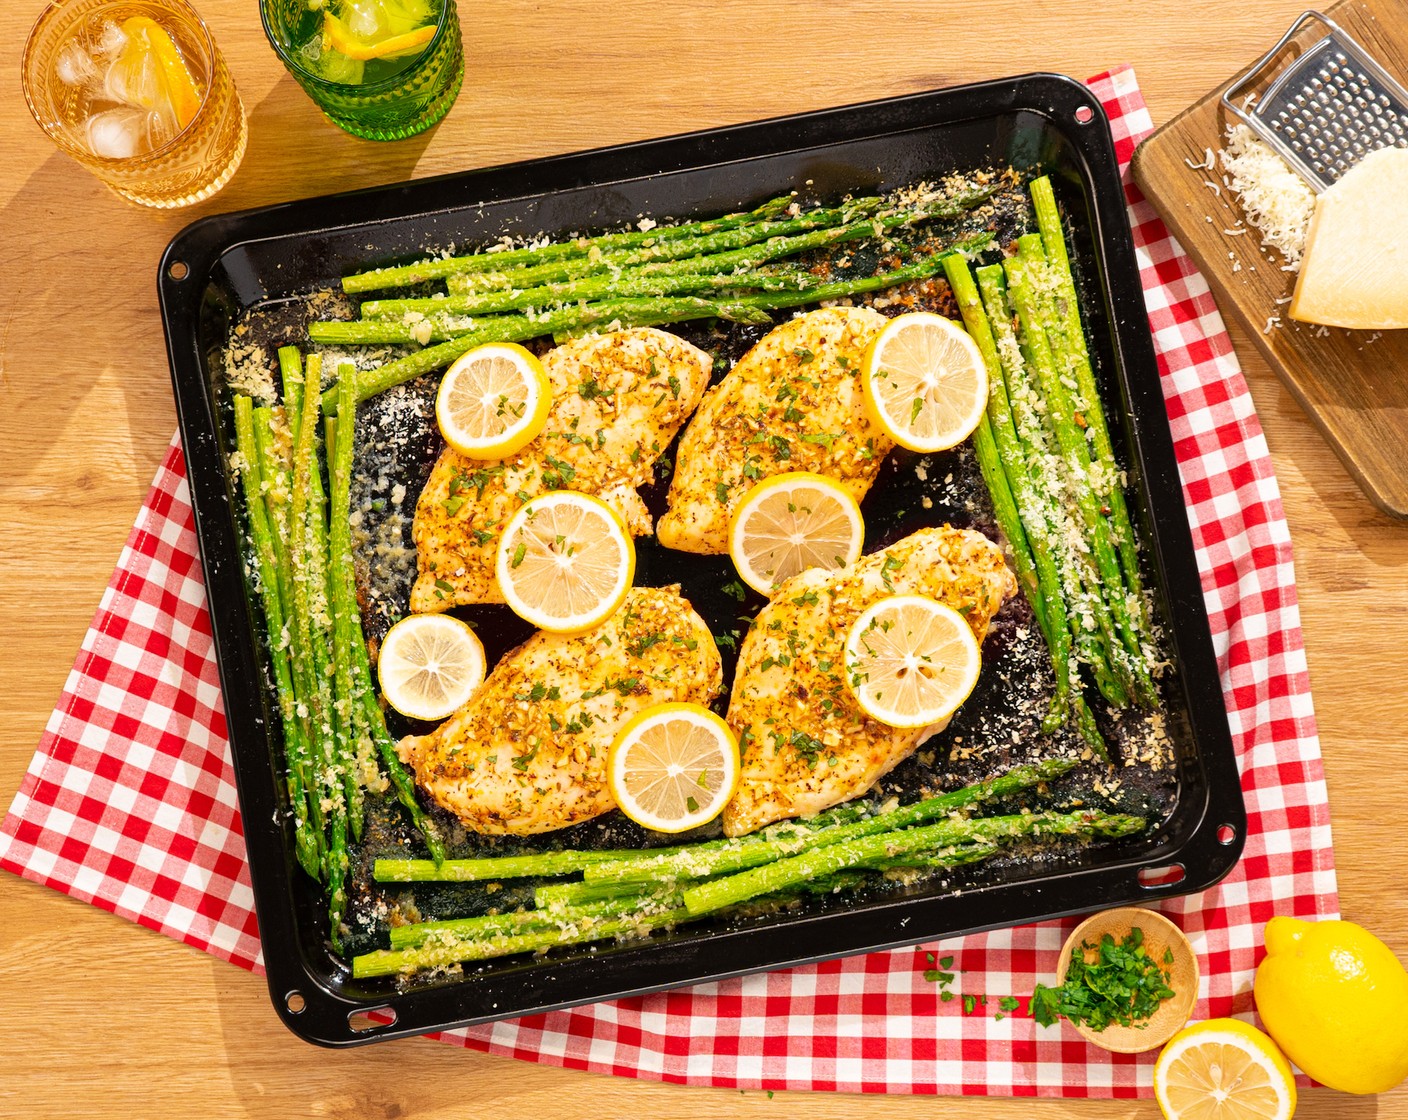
{"type": "Point", "coordinates": [527, 753]}
{"type": "Point", "coordinates": [806, 744]}
{"type": "Point", "coordinates": [617, 401]}
{"type": "Point", "coordinates": [792, 403]}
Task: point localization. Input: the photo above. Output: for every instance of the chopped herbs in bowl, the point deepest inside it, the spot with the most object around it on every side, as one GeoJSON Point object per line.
{"type": "Point", "coordinates": [1129, 981]}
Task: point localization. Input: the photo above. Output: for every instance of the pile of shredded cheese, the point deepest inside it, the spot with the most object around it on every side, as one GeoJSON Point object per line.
{"type": "Point", "coordinates": [1274, 198]}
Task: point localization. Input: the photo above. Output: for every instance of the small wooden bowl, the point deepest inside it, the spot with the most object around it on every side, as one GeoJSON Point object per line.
{"type": "Point", "coordinates": [1159, 934]}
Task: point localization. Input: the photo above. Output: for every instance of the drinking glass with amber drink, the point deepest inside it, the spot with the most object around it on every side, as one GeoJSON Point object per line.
{"type": "Point", "coordinates": [137, 92]}
{"type": "Point", "coordinates": [380, 69]}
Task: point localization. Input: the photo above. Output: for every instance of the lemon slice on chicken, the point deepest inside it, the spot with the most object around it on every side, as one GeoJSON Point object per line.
{"type": "Point", "coordinates": [925, 381]}
{"type": "Point", "coordinates": [493, 401]}
{"type": "Point", "coordinates": [673, 767]}
{"type": "Point", "coordinates": [911, 661]}
{"type": "Point", "coordinates": [565, 562]}
{"type": "Point", "coordinates": [792, 522]}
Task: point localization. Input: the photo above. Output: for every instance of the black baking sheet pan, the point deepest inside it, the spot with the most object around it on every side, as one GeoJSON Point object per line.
{"type": "Point", "coordinates": [222, 269]}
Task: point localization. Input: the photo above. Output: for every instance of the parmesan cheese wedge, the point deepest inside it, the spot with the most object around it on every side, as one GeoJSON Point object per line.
{"type": "Point", "coordinates": [1355, 269]}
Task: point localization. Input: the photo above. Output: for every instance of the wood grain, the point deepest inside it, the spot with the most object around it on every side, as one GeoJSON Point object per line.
{"type": "Point", "coordinates": [102, 1019]}
{"type": "Point", "coordinates": [1344, 380]}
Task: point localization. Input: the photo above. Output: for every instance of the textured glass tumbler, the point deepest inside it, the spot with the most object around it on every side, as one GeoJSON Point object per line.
{"type": "Point", "coordinates": [193, 164]}
{"type": "Point", "coordinates": [401, 105]}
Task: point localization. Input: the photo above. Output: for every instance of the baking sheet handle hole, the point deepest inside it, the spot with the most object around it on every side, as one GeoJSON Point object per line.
{"type": "Point", "coordinates": [1226, 834]}
{"type": "Point", "coordinates": [372, 1018]}
{"type": "Point", "coordinates": [1084, 114]}
{"type": "Point", "coordinates": [1165, 876]}
{"type": "Point", "coordinates": [295, 1002]}
{"type": "Point", "coordinates": [178, 270]}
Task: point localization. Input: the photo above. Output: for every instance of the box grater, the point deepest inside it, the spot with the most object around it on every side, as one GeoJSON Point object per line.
{"type": "Point", "coordinates": [1328, 109]}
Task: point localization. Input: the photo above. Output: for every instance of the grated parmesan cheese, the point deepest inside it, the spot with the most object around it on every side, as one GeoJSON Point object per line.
{"type": "Point", "coordinates": [1276, 200]}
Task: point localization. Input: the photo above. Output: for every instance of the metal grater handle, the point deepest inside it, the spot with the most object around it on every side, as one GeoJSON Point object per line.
{"type": "Point", "coordinates": [1319, 176]}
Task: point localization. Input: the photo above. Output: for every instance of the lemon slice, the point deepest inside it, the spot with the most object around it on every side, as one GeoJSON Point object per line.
{"type": "Point", "coordinates": [493, 401]}
{"type": "Point", "coordinates": [429, 665]}
{"type": "Point", "coordinates": [925, 381]}
{"type": "Point", "coordinates": [792, 522]}
{"type": "Point", "coordinates": [339, 37]}
{"type": "Point", "coordinates": [1224, 1069]}
{"type": "Point", "coordinates": [673, 767]}
{"type": "Point", "coordinates": [910, 662]}
{"type": "Point", "coordinates": [565, 562]}
{"type": "Point", "coordinates": [129, 77]}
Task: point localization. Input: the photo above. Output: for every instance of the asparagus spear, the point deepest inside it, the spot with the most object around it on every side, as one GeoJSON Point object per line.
{"type": "Point", "coordinates": [1044, 515]}
{"type": "Point", "coordinates": [464, 334]}
{"type": "Point", "coordinates": [386, 962]}
{"type": "Point", "coordinates": [639, 312]}
{"type": "Point", "coordinates": [356, 738]}
{"type": "Point", "coordinates": [310, 597]}
{"type": "Point", "coordinates": [718, 857]}
{"type": "Point", "coordinates": [557, 896]}
{"type": "Point", "coordinates": [265, 578]}
{"type": "Point", "coordinates": [431, 944]}
{"type": "Point", "coordinates": [782, 874]}
{"type": "Point", "coordinates": [1074, 358]}
{"type": "Point", "coordinates": [591, 922]}
{"type": "Point", "coordinates": [633, 282]}
{"type": "Point", "coordinates": [526, 921]}
{"type": "Point", "coordinates": [1126, 654]}
{"type": "Point", "coordinates": [991, 438]}
{"type": "Point", "coordinates": [389, 870]}
{"type": "Point", "coordinates": [406, 275]}
{"type": "Point", "coordinates": [572, 268]}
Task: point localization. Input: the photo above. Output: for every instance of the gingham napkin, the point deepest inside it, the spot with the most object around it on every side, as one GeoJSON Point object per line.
{"type": "Point", "coordinates": [130, 801]}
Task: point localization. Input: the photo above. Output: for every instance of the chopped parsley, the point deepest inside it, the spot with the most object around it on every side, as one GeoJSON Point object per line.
{"type": "Point", "coordinates": [736, 589]}
{"type": "Point", "coordinates": [1122, 985]}
{"type": "Point", "coordinates": [589, 390]}
{"type": "Point", "coordinates": [559, 473]}
{"type": "Point", "coordinates": [539, 691]}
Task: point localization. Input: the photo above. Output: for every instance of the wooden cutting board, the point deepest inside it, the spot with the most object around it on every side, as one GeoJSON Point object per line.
{"type": "Point", "coordinates": [1352, 385]}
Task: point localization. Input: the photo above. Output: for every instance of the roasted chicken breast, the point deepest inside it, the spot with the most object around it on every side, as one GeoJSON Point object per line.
{"type": "Point", "coordinates": [527, 753]}
{"type": "Point", "coordinates": [792, 403]}
{"type": "Point", "coordinates": [617, 401]}
{"type": "Point", "coordinates": [806, 744]}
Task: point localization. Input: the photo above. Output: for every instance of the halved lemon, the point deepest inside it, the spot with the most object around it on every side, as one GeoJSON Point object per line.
{"type": "Point", "coordinates": [565, 562]}
{"type": "Point", "coordinates": [673, 767]}
{"type": "Point", "coordinates": [1224, 1069]}
{"type": "Point", "coordinates": [493, 401]}
{"type": "Point", "coordinates": [792, 522]}
{"type": "Point", "coordinates": [910, 661]}
{"type": "Point", "coordinates": [429, 665]}
{"type": "Point", "coordinates": [925, 381]}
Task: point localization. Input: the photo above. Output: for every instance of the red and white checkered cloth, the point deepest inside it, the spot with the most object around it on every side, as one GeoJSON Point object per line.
{"type": "Point", "coordinates": [130, 801]}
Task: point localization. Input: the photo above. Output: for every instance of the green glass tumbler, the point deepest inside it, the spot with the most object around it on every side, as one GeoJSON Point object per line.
{"type": "Point", "coordinates": [393, 107]}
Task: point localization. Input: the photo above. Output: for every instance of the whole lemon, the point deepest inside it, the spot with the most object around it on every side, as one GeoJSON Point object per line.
{"type": "Point", "coordinates": [1333, 996]}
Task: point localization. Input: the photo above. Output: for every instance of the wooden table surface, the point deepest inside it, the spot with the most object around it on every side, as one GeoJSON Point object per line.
{"type": "Point", "coordinates": [99, 1018]}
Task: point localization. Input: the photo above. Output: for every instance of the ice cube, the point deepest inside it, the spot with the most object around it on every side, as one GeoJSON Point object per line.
{"type": "Point", "coordinates": [118, 133]}
{"type": "Point", "coordinates": [112, 40]}
{"type": "Point", "coordinates": [366, 19]}
{"type": "Point", "coordinates": [75, 66]}
{"type": "Point", "coordinates": [134, 78]}
{"type": "Point", "coordinates": [127, 131]}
